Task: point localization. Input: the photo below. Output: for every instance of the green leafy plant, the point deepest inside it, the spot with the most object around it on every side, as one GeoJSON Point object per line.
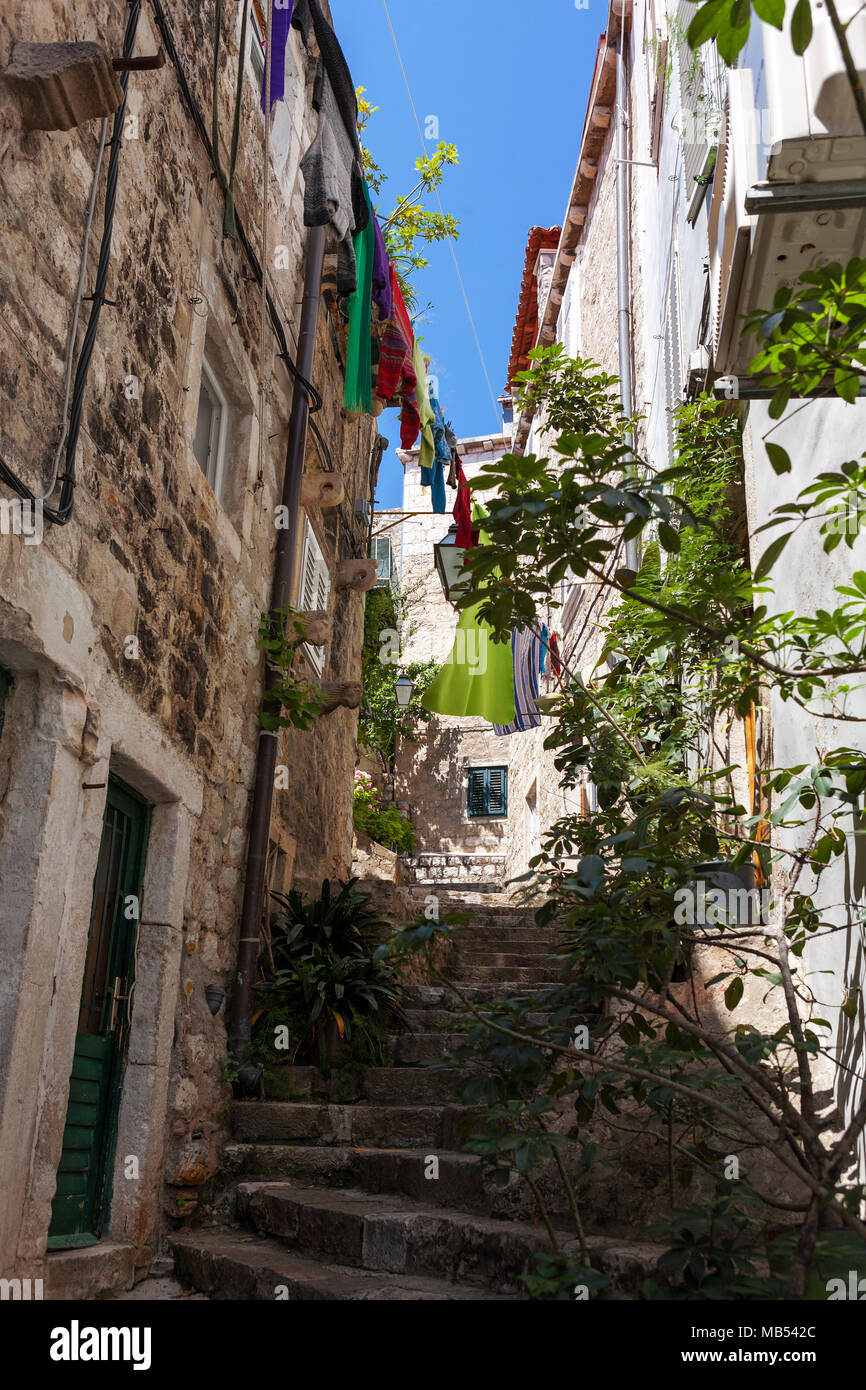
{"type": "Point", "coordinates": [386, 824]}
{"type": "Point", "coordinates": [383, 720]}
{"type": "Point", "coordinates": [289, 703]}
{"type": "Point", "coordinates": [410, 224]}
{"type": "Point", "coordinates": [331, 972]}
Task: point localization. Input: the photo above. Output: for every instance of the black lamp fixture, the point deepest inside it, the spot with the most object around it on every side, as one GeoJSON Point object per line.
{"type": "Point", "coordinates": [448, 558]}
{"type": "Point", "coordinates": [404, 689]}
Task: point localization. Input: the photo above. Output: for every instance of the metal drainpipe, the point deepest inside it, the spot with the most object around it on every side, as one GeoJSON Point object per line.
{"type": "Point", "coordinates": [281, 594]}
{"type": "Point", "coordinates": [623, 260]}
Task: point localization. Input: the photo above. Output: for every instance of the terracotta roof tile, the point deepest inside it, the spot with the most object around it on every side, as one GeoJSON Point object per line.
{"type": "Point", "coordinates": [526, 323]}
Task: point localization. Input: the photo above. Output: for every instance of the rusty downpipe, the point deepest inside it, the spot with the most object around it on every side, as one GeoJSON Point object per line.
{"type": "Point", "coordinates": [266, 754]}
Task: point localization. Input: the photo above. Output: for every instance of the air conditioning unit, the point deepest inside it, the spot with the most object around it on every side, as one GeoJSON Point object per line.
{"type": "Point", "coordinates": [814, 132]}
{"type": "Point", "coordinates": [800, 136]}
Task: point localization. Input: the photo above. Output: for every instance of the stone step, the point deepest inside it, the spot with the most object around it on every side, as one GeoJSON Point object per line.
{"type": "Point", "coordinates": [511, 976]}
{"type": "Point", "coordinates": [390, 1233]}
{"type": "Point", "coordinates": [375, 1231]}
{"type": "Point", "coordinates": [469, 959]}
{"type": "Point", "coordinates": [458, 1180]}
{"type": "Point", "coordinates": [511, 943]}
{"type": "Point", "coordinates": [237, 1265]}
{"type": "Point", "coordinates": [325, 1165]}
{"type": "Point", "coordinates": [388, 1126]}
{"type": "Point", "coordinates": [441, 997]}
{"type": "Point", "coordinates": [408, 1049]}
{"type": "Point", "coordinates": [391, 1085]}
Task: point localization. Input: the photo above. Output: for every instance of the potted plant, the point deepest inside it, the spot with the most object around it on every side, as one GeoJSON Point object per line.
{"type": "Point", "coordinates": [330, 968]}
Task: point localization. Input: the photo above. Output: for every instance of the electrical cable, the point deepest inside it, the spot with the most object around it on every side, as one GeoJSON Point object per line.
{"type": "Point", "coordinates": [76, 310]}
{"type": "Point", "coordinates": [450, 239]}
{"type": "Point", "coordinates": [63, 512]}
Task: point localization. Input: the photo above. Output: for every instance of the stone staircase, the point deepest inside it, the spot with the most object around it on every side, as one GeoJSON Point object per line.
{"type": "Point", "coordinates": [334, 1194]}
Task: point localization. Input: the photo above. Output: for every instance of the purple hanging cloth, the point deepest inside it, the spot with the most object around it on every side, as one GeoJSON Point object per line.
{"type": "Point", "coordinates": [281, 23]}
{"type": "Point", "coordinates": [382, 295]}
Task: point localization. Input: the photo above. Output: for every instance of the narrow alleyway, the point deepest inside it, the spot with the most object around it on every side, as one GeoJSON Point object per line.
{"type": "Point", "coordinates": [331, 1192]}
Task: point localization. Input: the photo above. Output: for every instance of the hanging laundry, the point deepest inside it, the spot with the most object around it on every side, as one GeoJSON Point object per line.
{"type": "Point", "coordinates": [358, 395]}
{"type": "Point", "coordinates": [555, 663]}
{"type": "Point", "coordinates": [467, 535]}
{"type": "Point", "coordinates": [328, 169]}
{"type": "Point", "coordinates": [441, 457]}
{"type": "Point", "coordinates": [527, 653]}
{"type": "Point", "coordinates": [382, 294]}
{"type": "Point", "coordinates": [478, 677]}
{"type": "Point", "coordinates": [278, 37]}
{"type": "Point", "coordinates": [545, 649]}
{"type": "Point", "coordinates": [308, 16]}
{"type": "Point", "coordinates": [425, 416]}
{"type": "Point", "coordinates": [395, 348]}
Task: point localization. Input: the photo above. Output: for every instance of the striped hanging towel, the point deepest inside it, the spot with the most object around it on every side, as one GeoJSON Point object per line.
{"type": "Point", "coordinates": [527, 651]}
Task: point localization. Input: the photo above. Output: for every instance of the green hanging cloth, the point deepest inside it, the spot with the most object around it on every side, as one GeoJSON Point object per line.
{"type": "Point", "coordinates": [358, 396]}
{"type": "Point", "coordinates": [425, 411]}
{"type": "Point", "coordinates": [478, 676]}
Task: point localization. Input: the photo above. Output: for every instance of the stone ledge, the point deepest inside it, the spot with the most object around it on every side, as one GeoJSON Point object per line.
{"type": "Point", "coordinates": [90, 1272]}
{"type": "Point", "coordinates": [62, 85]}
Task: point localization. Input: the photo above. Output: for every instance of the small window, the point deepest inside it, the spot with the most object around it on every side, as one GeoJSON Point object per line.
{"type": "Point", "coordinates": [488, 791]}
{"type": "Point", "coordinates": [314, 591]}
{"type": "Point", "coordinates": [382, 552]}
{"type": "Point", "coordinates": [5, 688]}
{"type": "Point", "coordinates": [211, 428]}
{"type": "Point", "coordinates": [257, 43]}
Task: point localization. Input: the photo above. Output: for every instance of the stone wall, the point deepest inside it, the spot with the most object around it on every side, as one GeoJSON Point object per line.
{"type": "Point", "coordinates": [132, 631]}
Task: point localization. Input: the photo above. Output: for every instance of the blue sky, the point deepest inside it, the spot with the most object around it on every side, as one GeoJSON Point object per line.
{"type": "Point", "coordinates": [509, 84]}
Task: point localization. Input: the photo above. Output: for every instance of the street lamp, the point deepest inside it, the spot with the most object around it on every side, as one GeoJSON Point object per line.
{"type": "Point", "coordinates": [448, 558]}
{"type": "Point", "coordinates": [404, 689]}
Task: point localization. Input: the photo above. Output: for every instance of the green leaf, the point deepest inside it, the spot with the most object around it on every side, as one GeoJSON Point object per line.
{"type": "Point", "coordinates": [771, 11]}
{"type": "Point", "coordinates": [770, 556]}
{"type": "Point", "coordinates": [706, 23]}
{"type": "Point", "coordinates": [801, 26]}
{"type": "Point", "coordinates": [734, 993]}
{"type": "Point", "coordinates": [669, 538]}
{"type": "Point", "coordinates": [847, 384]}
{"type": "Point", "coordinates": [779, 458]}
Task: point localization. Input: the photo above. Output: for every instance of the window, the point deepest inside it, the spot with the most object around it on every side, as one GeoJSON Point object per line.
{"type": "Point", "coordinates": [488, 791]}
{"type": "Point", "coordinates": [5, 687]}
{"type": "Point", "coordinates": [257, 43]}
{"type": "Point", "coordinates": [382, 552]}
{"type": "Point", "coordinates": [211, 428]}
{"type": "Point", "coordinates": [314, 591]}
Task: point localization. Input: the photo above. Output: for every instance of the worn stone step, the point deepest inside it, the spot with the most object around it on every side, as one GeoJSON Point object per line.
{"type": "Point", "coordinates": [513, 976]}
{"type": "Point", "coordinates": [390, 1233]}
{"type": "Point", "coordinates": [441, 997]}
{"type": "Point", "coordinates": [394, 1234]}
{"type": "Point", "coordinates": [237, 1265]}
{"type": "Point", "coordinates": [326, 1165]}
{"type": "Point", "coordinates": [505, 938]}
{"type": "Point", "coordinates": [411, 1086]}
{"type": "Point", "coordinates": [455, 1180]}
{"type": "Point", "coordinates": [468, 959]}
{"type": "Point", "coordinates": [410, 1048]}
{"type": "Point", "coordinates": [389, 1126]}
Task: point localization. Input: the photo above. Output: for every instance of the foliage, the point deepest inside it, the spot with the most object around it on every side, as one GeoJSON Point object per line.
{"type": "Point", "coordinates": [289, 703]}
{"type": "Point", "coordinates": [383, 720]}
{"type": "Point", "coordinates": [411, 225]}
{"type": "Point", "coordinates": [689, 640]}
{"type": "Point", "coordinates": [329, 965]}
{"type": "Point", "coordinates": [387, 825]}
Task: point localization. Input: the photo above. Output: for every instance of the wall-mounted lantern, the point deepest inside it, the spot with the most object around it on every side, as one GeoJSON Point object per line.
{"type": "Point", "coordinates": [448, 558]}
{"type": "Point", "coordinates": [404, 689]}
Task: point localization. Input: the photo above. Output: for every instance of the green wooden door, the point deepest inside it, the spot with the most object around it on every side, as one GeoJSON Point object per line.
{"type": "Point", "coordinates": [84, 1174]}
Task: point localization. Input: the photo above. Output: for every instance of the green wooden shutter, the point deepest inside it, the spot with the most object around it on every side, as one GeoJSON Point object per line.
{"type": "Point", "coordinates": [487, 793]}
{"type": "Point", "coordinates": [497, 794]}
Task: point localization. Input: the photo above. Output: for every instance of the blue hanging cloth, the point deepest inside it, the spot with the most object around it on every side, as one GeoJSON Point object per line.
{"type": "Point", "coordinates": [441, 458]}
{"type": "Point", "coordinates": [281, 23]}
